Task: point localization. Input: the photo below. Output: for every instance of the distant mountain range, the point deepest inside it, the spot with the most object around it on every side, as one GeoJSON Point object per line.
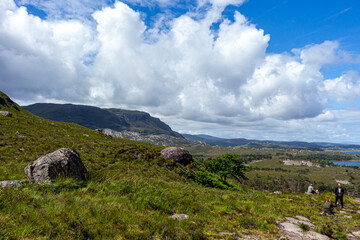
{"type": "Point", "coordinates": [101, 118]}
{"type": "Point", "coordinates": [140, 126]}
{"type": "Point", "coordinates": [215, 141]}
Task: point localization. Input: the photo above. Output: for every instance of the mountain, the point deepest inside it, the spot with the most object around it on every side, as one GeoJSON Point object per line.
{"type": "Point", "coordinates": [223, 142]}
{"type": "Point", "coordinates": [95, 117]}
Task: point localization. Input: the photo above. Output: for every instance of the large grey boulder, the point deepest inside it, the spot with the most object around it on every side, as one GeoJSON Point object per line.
{"type": "Point", "coordinates": [6, 113]}
{"type": "Point", "coordinates": [16, 183]}
{"type": "Point", "coordinates": [176, 154]}
{"type": "Point", "coordinates": [63, 162]}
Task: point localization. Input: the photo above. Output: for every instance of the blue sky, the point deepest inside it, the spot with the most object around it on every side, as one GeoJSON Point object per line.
{"type": "Point", "coordinates": [281, 70]}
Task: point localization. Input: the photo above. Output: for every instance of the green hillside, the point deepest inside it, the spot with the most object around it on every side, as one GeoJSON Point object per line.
{"type": "Point", "coordinates": [132, 192]}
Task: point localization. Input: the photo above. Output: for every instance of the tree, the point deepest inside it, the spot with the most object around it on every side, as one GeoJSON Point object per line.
{"type": "Point", "coordinates": [227, 165]}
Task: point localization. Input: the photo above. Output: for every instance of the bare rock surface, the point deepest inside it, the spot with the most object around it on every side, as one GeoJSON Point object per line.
{"type": "Point", "coordinates": [303, 218]}
{"type": "Point", "coordinates": [298, 222]}
{"type": "Point", "coordinates": [292, 231]}
{"type": "Point", "coordinates": [16, 183]}
{"type": "Point", "coordinates": [300, 163]}
{"type": "Point", "coordinates": [63, 162]}
{"type": "Point", "coordinates": [317, 236]}
{"type": "Point", "coordinates": [6, 113]}
{"type": "Point", "coordinates": [176, 154]}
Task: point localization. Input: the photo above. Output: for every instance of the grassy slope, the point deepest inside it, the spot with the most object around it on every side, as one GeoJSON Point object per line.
{"type": "Point", "coordinates": [131, 194]}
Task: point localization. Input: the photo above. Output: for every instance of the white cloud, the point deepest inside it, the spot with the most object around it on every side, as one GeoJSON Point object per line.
{"type": "Point", "coordinates": [186, 74]}
{"type": "Point", "coordinates": [343, 89]}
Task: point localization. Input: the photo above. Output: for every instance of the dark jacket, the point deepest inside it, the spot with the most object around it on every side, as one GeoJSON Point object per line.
{"type": "Point", "coordinates": [328, 208]}
{"type": "Point", "coordinates": [339, 191]}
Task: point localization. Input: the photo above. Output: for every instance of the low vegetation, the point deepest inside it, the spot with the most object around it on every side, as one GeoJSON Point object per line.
{"type": "Point", "coordinates": [131, 192]}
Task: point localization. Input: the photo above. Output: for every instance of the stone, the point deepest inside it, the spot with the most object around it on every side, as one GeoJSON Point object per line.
{"type": "Point", "coordinates": [347, 216]}
{"type": "Point", "coordinates": [64, 162]}
{"type": "Point", "coordinates": [180, 217]}
{"type": "Point", "coordinates": [16, 183]}
{"type": "Point", "coordinates": [317, 236]}
{"type": "Point", "coordinates": [278, 192]}
{"type": "Point", "coordinates": [176, 154]}
{"type": "Point", "coordinates": [298, 222]}
{"type": "Point", "coordinates": [343, 212]}
{"type": "Point", "coordinates": [6, 113]}
{"type": "Point", "coordinates": [292, 231]}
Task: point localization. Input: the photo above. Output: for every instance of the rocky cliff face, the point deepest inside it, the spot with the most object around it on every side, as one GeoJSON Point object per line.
{"type": "Point", "coordinates": [160, 140]}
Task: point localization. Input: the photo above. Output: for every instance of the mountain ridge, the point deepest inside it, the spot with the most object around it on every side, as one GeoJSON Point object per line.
{"type": "Point", "coordinates": [223, 142]}
{"type": "Point", "coordinates": [94, 118]}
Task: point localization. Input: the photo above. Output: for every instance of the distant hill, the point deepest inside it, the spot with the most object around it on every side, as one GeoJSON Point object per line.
{"type": "Point", "coordinates": [251, 143]}
{"type": "Point", "coordinates": [95, 117]}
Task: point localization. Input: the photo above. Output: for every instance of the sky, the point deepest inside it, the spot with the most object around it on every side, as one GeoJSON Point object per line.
{"type": "Point", "coordinates": [257, 69]}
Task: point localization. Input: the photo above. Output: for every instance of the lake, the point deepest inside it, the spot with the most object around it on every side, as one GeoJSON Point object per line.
{"type": "Point", "coordinates": [350, 152]}
{"type": "Point", "coordinates": [347, 163]}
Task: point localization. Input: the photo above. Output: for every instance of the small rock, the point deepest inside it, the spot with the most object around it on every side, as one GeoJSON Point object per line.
{"type": "Point", "coordinates": [4, 217]}
{"type": "Point", "coordinates": [176, 154]}
{"type": "Point", "coordinates": [349, 217]}
{"type": "Point", "coordinates": [85, 135]}
{"type": "Point", "coordinates": [358, 211]}
{"type": "Point", "coordinates": [317, 236]}
{"type": "Point", "coordinates": [15, 183]}
{"type": "Point", "coordinates": [180, 217]}
{"type": "Point", "coordinates": [277, 192]}
{"type": "Point", "coordinates": [6, 113]}
{"type": "Point", "coordinates": [343, 212]}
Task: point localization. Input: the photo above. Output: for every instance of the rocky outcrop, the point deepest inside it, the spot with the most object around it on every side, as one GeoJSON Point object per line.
{"type": "Point", "coordinates": [160, 140]}
{"type": "Point", "coordinates": [64, 162]}
{"type": "Point", "coordinates": [15, 183]}
{"type": "Point", "coordinates": [176, 154]}
{"type": "Point", "coordinates": [292, 231]}
{"type": "Point", "coordinates": [6, 113]}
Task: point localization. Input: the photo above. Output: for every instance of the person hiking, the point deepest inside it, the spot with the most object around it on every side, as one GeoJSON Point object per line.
{"type": "Point", "coordinates": [310, 189]}
{"type": "Point", "coordinates": [339, 194]}
{"type": "Point", "coordinates": [328, 207]}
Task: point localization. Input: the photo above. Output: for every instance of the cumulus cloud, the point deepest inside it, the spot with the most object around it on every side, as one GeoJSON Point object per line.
{"type": "Point", "coordinates": [343, 89]}
{"type": "Point", "coordinates": [189, 72]}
